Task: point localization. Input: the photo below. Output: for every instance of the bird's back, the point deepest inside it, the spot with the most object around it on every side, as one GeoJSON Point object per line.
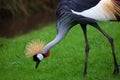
{"type": "Point", "coordinates": [78, 5]}
{"type": "Point", "coordinates": [65, 6]}
{"type": "Point", "coordinates": [110, 8]}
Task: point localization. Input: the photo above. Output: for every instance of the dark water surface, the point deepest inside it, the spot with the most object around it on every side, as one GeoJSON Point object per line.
{"type": "Point", "coordinates": [13, 26]}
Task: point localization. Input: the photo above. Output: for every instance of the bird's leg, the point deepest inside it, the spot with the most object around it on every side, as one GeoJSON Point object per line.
{"type": "Point", "coordinates": [86, 49]}
{"type": "Point", "coordinates": [116, 67]}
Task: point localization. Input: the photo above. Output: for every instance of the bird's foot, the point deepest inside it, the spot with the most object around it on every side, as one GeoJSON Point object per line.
{"type": "Point", "coordinates": [85, 73]}
{"type": "Point", "coordinates": [116, 70]}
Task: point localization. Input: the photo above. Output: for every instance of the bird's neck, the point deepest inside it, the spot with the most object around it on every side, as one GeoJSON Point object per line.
{"type": "Point", "coordinates": [60, 35]}
{"type": "Point", "coordinates": [62, 30]}
{"type": "Point", "coordinates": [53, 42]}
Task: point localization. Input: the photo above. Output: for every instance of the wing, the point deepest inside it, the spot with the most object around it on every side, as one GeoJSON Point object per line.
{"type": "Point", "coordinates": [81, 5]}
{"type": "Point", "coordinates": [65, 6]}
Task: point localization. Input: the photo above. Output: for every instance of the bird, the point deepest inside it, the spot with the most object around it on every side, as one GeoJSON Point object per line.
{"type": "Point", "coordinates": [83, 12]}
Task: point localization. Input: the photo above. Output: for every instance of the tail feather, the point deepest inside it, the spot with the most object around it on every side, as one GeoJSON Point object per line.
{"type": "Point", "coordinates": [116, 5]}
{"type": "Point", "coordinates": [112, 7]}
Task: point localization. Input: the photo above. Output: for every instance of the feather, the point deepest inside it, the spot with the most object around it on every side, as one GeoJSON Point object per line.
{"type": "Point", "coordinates": [116, 5]}
{"type": "Point", "coordinates": [105, 10]}
{"type": "Point", "coordinates": [112, 7]}
{"type": "Point", "coordinates": [34, 47]}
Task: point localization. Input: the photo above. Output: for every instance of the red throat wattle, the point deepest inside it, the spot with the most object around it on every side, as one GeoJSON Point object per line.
{"type": "Point", "coordinates": [48, 54]}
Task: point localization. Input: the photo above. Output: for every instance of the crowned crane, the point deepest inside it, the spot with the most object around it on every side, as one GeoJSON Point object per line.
{"type": "Point", "coordinates": [83, 12]}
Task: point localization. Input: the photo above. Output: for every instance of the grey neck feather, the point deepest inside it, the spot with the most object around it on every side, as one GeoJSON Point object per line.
{"type": "Point", "coordinates": [61, 34]}
{"type": "Point", "coordinates": [62, 29]}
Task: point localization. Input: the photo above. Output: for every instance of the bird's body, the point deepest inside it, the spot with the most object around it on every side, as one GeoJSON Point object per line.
{"type": "Point", "coordinates": [84, 12]}
{"type": "Point", "coordinates": [72, 12]}
{"type": "Point", "coordinates": [101, 10]}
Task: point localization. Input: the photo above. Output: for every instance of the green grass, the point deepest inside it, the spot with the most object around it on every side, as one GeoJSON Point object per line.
{"type": "Point", "coordinates": [67, 58]}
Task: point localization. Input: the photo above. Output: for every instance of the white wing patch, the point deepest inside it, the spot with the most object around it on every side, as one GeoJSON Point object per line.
{"type": "Point", "coordinates": [99, 12]}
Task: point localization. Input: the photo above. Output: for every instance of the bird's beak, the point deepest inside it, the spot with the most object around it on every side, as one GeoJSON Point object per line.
{"type": "Point", "coordinates": [37, 63]}
{"type": "Point", "coordinates": [36, 60]}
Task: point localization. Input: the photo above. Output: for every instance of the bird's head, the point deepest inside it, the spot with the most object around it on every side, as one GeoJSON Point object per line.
{"type": "Point", "coordinates": [35, 49]}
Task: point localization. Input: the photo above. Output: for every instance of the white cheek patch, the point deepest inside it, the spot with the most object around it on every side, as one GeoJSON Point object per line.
{"type": "Point", "coordinates": [40, 56]}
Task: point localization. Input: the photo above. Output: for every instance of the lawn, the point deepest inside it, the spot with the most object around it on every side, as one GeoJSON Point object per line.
{"type": "Point", "coordinates": [67, 58]}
